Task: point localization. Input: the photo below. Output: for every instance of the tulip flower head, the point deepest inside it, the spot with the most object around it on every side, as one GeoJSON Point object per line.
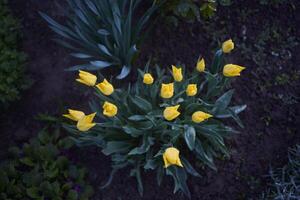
{"type": "Point", "coordinates": [200, 65]}
{"type": "Point", "coordinates": [227, 46]}
{"type": "Point", "coordinates": [231, 70]}
{"type": "Point", "coordinates": [171, 157]}
{"type": "Point", "coordinates": [177, 73]}
{"type": "Point", "coordinates": [148, 79]}
{"type": "Point", "coordinates": [167, 90]}
{"type": "Point", "coordinates": [105, 87]}
{"type": "Point", "coordinates": [200, 116]}
{"type": "Point", "coordinates": [109, 109]}
{"type": "Point", "coordinates": [86, 122]}
{"type": "Point", "coordinates": [191, 90]}
{"type": "Point", "coordinates": [74, 115]}
{"type": "Point", "coordinates": [171, 112]}
{"type": "Point", "coordinates": [87, 78]}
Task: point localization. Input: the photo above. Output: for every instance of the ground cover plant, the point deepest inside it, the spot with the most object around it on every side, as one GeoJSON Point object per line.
{"type": "Point", "coordinates": [285, 184]}
{"type": "Point", "coordinates": [189, 10]}
{"type": "Point", "coordinates": [103, 33]}
{"type": "Point", "coordinates": [40, 170]}
{"type": "Point", "coordinates": [12, 72]}
{"type": "Point", "coordinates": [161, 121]}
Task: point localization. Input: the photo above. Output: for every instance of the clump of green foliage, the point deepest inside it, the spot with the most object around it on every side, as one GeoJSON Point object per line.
{"type": "Point", "coordinates": [190, 10]}
{"type": "Point", "coordinates": [286, 181]}
{"type": "Point", "coordinates": [39, 170]}
{"type": "Point", "coordinates": [141, 123]}
{"type": "Point", "coordinates": [12, 76]}
{"type": "Point", "coordinates": [103, 33]}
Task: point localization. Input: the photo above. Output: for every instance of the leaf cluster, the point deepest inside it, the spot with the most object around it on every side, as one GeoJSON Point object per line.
{"type": "Point", "coordinates": [190, 10]}
{"type": "Point", "coordinates": [102, 33]}
{"type": "Point", "coordinates": [12, 74]}
{"type": "Point", "coordinates": [138, 135]}
{"type": "Point", "coordinates": [39, 170]}
{"type": "Point", "coordinates": [286, 181]}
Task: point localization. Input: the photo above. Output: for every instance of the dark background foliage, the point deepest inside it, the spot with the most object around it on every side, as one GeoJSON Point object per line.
{"type": "Point", "coordinates": [266, 43]}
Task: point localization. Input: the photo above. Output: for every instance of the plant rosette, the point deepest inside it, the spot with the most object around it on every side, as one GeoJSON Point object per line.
{"type": "Point", "coordinates": [161, 122]}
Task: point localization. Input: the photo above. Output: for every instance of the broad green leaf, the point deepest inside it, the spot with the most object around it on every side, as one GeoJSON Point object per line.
{"type": "Point", "coordinates": [115, 147]}
{"type": "Point", "coordinates": [101, 64]}
{"type": "Point", "coordinates": [190, 136]}
{"type": "Point", "coordinates": [226, 113]}
{"type": "Point", "coordinates": [189, 168]}
{"type": "Point", "coordinates": [223, 102]}
{"type": "Point", "coordinates": [147, 142]}
{"type": "Point", "coordinates": [141, 103]}
{"type": "Point", "coordinates": [124, 72]}
{"type": "Point", "coordinates": [137, 117]}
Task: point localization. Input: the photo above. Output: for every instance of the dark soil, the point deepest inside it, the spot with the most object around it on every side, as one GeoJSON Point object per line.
{"type": "Point", "coordinates": [271, 125]}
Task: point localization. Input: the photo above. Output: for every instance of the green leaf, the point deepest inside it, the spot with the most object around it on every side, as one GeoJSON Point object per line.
{"type": "Point", "coordinates": [124, 72]}
{"type": "Point", "coordinates": [223, 102]}
{"type": "Point", "coordinates": [116, 147]}
{"type": "Point", "coordinates": [81, 55]}
{"type": "Point", "coordinates": [72, 195]}
{"type": "Point", "coordinates": [217, 62]}
{"type": "Point", "coordinates": [33, 192]}
{"type": "Point", "coordinates": [141, 103]}
{"type": "Point", "coordinates": [137, 117]}
{"type": "Point", "coordinates": [226, 113]}
{"type": "Point", "coordinates": [27, 161]}
{"type": "Point", "coordinates": [189, 168]}
{"type": "Point", "coordinates": [202, 155]}
{"type": "Point", "coordinates": [190, 136]}
{"type": "Point", "coordinates": [147, 142]}
{"type": "Point", "coordinates": [180, 177]}
{"type": "Point", "coordinates": [101, 64]}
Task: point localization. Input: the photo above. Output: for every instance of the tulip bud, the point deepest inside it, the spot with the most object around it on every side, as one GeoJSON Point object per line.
{"type": "Point", "coordinates": [171, 157]}
{"type": "Point", "coordinates": [74, 115]}
{"type": "Point", "coordinates": [171, 112]}
{"type": "Point", "coordinates": [109, 109]}
{"type": "Point", "coordinates": [167, 90]}
{"type": "Point", "coordinates": [200, 116]}
{"type": "Point", "coordinates": [231, 70]}
{"type": "Point", "coordinates": [201, 65]}
{"type": "Point", "coordinates": [148, 79]}
{"type": "Point", "coordinates": [85, 123]}
{"type": "Point", "coordinates": [227, 46]}
{"type": "Point", "coordinates": [105, 87]}
{"type": "Point", "coordinates": [177, 73]}
{"type": "Point", "coordinates": [191, 90]}
{"type": "Point", "coordinates": [87, 78]}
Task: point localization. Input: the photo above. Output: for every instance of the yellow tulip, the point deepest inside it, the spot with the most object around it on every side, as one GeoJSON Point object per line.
{"type": "Point", "coordinates": [109, 109]}
{"type": "Point", "coordinates": [74, 115]}
{"type": "Point", "coordinates": [171, 112]}
{"type": "Point", "coordinates": [227, 46]}
{"type": "Point", "coordinates": [105, 87]}
{"type": "Point", "coordinates": [167, 90]}
{"type": "Point", "coordinates": [86, 78]}
{"type": "Point", "coordinates": [200, 116]}
{"type": "Point", "coordinates": [86, 122]}
{"type": "Point", "coordinates": [177, 73]}
{"type": "Point", "coordinates": [201, 65]}
{"type": "Point", "coordinates": [231, 70]}
{"type": "Point", "coordinates": [191, 90]}
{"type": "Point", "coordinates": [171, 157]}
{"type": "Point", "coordinates": [148, 79]}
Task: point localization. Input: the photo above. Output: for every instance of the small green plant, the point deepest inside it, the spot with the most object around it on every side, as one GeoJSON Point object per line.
{"type": "Point", "coordinates": [190, 10]}
{"type": "Point", "coordinates": [161, 122]}
{"type": "Point", "coordinates": [103, 33]}
{"type": "Point", "coordinates": [12, 76]}
{"type": "Point", "coordinates": [39, 170]}
{"type": "Point", "coordinates": [286, 181]}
